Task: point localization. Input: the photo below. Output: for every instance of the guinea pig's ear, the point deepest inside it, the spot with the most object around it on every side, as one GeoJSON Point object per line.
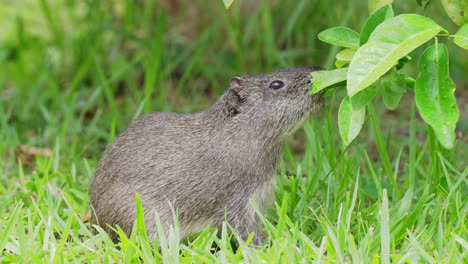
{"type": "Point", "coordinates": [236, 95]}
{"type": "Point", "coordinates": [235, 82]}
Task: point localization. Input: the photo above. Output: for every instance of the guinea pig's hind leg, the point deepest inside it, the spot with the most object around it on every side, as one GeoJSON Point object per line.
{"type": "Point", "coordinates": [246, 223]}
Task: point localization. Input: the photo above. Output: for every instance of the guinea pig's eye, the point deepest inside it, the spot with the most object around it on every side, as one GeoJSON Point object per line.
{"type": "Point", "coordinates": [275, 85]}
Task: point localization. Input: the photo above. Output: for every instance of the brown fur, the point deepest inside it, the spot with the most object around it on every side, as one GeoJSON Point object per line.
{"type": "Point", "coordinates": [208, 166]}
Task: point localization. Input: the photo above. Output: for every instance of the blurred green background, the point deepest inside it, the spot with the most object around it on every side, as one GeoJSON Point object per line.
{"type": "Point", "coordinates": [72, 67]}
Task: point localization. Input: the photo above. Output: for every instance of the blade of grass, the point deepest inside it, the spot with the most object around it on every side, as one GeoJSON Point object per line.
{"type": "Point", "coordinates": [382, 148]}
{"type": "Point", "coordinates": [373, 174]}
{"type": "Point", "coordinates": [145, 246]}
{"type": "Point", "coordinates": [384, 230]}
{"type": "Point", "coordinates": [412, 150]}
{"type": "Point", "coordinates": [153, 64]}
{"type": "Point", "coordinates": [109, 94]}
{"type": "Point", "coordinates": [58, 256]}
{"type": "Point", "coordinates": [12, 220]}
{"type": "Point", "coordinates": [433, 176]}
{"type": "Point", "coordinates": [353, 204]}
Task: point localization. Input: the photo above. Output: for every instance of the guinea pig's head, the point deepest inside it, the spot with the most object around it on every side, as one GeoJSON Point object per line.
{"type": "Point", "coordinates": [279, 99]}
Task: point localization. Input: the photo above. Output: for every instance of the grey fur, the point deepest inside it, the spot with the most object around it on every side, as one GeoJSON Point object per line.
{"type": "Point", "coordinates": [210, 165]}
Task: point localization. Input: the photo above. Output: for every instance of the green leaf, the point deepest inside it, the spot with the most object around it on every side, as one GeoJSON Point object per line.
{"type": "Point", "coordinates": [324, 79]}
{"type": "Point", "coordinates": [393, 88]}
{"type": "Point", "coordinates": [389, 42]}
{"type": "Point", "coordinates": [376, 4]}
{"type": "Point", "coordinates": [408, 80]}
{"type": "Point", "coordinates": [340, 64]}
{"type": "Point", "coordinates": [461, 37]}
{"type": "Point", "coordinates": [401, 62]}
{"type": "Point", "coordinates": [434, 94]}
{"type": "Point", "coordinates": [227, 3]}
{"type": "Point", "coordinates": [340, 36]}
{"type": "Point", "coordinates": [379, 16]}
{"type": "Point", "coordinates": [361, 99]}
{"type": "Point", "coordinates": [350, 121]}
{"type": "Point", "coordinates": [345, 55]}
{"type": "Point", "coordinates": [457, 10]}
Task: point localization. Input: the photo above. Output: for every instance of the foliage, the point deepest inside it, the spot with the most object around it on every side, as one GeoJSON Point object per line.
{"type": "Point", "coordinates": [434, 94]}
{"type": "Point", "coordinates": [384, 45]}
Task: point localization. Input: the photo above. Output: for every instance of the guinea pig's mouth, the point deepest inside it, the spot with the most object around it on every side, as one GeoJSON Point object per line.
{"type": "Point", "coordinates": [315, 102]}
{"type": "Point", "coordinates": [320, 99]}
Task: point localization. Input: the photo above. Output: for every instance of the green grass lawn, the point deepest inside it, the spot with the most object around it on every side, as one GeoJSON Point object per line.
{"type": "Point", "coordinates": [73, 74]}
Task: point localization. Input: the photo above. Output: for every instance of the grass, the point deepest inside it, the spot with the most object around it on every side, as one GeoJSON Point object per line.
{"type": "Point", "coordinates": [73, 74]}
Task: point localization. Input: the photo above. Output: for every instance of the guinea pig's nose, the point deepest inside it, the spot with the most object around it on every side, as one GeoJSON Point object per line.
{"type": "Point", "coordinates": [315, 68]}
